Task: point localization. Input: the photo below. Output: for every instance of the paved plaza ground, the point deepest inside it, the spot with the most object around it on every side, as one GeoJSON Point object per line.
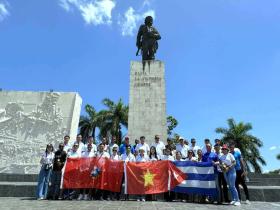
{"type": "Point", "coordinates": [31, 204]}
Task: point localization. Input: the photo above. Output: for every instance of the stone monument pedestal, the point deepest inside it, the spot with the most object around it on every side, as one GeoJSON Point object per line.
{"type": "Point", "coordinates": [147, 101]}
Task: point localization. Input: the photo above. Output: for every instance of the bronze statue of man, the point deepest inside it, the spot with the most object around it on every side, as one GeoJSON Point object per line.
{"type": "Point", "coordinates": [147, 39]}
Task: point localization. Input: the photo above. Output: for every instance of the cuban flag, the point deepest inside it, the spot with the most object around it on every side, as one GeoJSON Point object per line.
{"type": "Point", "coordinates": [200, 178]}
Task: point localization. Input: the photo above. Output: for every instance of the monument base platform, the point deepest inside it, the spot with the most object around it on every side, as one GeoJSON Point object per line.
{"type": "Point", "coordinates": [24, 185]}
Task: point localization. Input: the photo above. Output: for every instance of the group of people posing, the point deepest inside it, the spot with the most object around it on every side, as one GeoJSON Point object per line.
{"type": "Point", "coordinates": [229, 166]}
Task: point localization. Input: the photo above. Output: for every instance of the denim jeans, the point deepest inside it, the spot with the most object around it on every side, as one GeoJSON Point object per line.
{"type": "Point", "coordinates": [43, 183]}
{"type": "Point", "coordinates": [219, 193]}
{"type": "Point", "coordinates": [230, 177]}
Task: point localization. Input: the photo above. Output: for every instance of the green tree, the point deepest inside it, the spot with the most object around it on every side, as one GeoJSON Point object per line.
{"type": "Point", "coordinates": [171, 124]}
{"type": "Point", "coordinates": [113, 118]}
{"type": "Point", "coordinates": [248, 144]}
{"type": "Point", "coordinates": [89, 122]}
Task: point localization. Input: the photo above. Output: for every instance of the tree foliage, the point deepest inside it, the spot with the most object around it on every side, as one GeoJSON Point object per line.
{"type": "Point", "coordinates": [248, 144]}
{"type": "Point", "coordinates": [171, 124]}
{"type": "Point", "coordinates": [89, 122]}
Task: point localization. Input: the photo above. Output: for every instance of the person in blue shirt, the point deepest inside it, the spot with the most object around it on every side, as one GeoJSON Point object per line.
{"type": "Point", "coordinates": [212, 157]}
{"type": "Point", "coordinates": [124, 145]}
{"type": "Point", "coordinates": [241, 172]}
{"type": "Point", "coordinates": [209, 156]}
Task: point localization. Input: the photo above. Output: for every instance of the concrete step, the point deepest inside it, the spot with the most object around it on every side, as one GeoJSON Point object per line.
{"type": "Point", "coordinates": [24, 185]}
{"type": "Point", "coordinates": [264, 182]}
{"type": "Point", "coordinates": [18, 189]}
{"type": "Point", "coordinates": [28, 189]}
{"type": "Point", "coordinates": [263, 193]}
{"type": "Point", "coordinates": [18, 177]}
{"type": "Point", "coordinates": [262, 176]}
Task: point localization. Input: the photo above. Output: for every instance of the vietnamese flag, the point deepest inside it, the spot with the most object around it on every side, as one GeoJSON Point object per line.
{"type": "Point", "coordinates": [151, 177]}
{"type": "Point", "coordinates": [99, 173]}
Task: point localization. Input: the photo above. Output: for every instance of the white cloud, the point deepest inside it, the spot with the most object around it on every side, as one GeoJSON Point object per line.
{"type": "Point", "coordinates": [146, 3]}
{"type": "Point", "coordinates": [131, 19]}
{"type": "Point", "coordinates": [3, 11]}
{"type": "Point", "coordinates": [94, 12]}
{"type": "Point", "coordinates": [273, 148]}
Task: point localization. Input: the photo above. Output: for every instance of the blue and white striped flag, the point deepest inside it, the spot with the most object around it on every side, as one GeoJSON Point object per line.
{"type": "Point", "coordinates": [200, 178]}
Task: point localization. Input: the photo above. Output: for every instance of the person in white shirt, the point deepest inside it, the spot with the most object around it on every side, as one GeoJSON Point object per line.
{"type": "Point", "coordinates": [183, 148]}
{"type": "Point", "coordinates": [113, 144]}
{"type": "Point", "coordinates": [142, 157]}
{"type": "Point", "coordinates": [143, 145]}
{"type": "Point", "coordinates": [90, 140]}
{"type": "Point", "coordinates": [67, 146]}
{"type": "Point", "coordinates": [115, 155]}
{"type": "Point", "coordinates": [159, 145]}
{"type": "Point", "coordinates": [153, 154]}
{"type": "Point", "coordinates": [228, 167]}
{"type": "Point", "coordinates": [74, 152]}
{"type": "Point", "coordinates": [167, 155]}
{"type": "Point", "coordinates": [128, 156]}
{"type": "Point", "coordinates": [220, 176]}
{"type": "Point", "coordinates": [178, 156]}
{"type": "Point", "coordinates": [101, 152]}
{"type": "Point", "coordinates": [191, 156]}
{"type": "Point", "coordinates": [89, 152]}
{"type": "Point", "coordinates": [105, 143]}
{"type": "Point", "coordinates": [78, 141]}
{"type": "Point", "coordinates": [45, 172]}
{"type": "Point", "coordinates": [199, 155]}
{"type": "Point", "coordinates": [204, 148]}
{"type": "Point", "coordinates": [193, 146]}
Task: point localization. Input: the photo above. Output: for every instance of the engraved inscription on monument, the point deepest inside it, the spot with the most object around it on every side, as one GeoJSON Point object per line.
{"type": "Point", "coordinates": [147, 102]}
{"type": "Point", "coordinates": [30, 120]}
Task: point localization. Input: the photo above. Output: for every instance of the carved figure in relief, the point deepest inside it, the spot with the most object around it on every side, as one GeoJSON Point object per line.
{"type": "Point", "coordinates": [42, 124]}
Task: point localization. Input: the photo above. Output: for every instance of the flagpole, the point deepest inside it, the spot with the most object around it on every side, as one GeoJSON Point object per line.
{"type": "Point", "coordinates": [169, 179]}
{"type": "Point", "coordinates": [62, 174]}
{"type": "Point", "coordinates": [125, 179]}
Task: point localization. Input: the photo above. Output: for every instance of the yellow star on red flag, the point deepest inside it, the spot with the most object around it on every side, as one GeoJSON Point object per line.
{"type": "Point", "coordinates": [148, 178]}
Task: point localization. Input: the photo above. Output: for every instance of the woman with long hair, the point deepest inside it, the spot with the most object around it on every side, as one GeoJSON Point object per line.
{"type": "Point", "coordinates": [153, 154]}
{"type": "Point", "coordinates": [45, 172]}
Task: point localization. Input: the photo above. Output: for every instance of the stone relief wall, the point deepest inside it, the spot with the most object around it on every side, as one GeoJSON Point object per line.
{"type": "Point", "coordinates": [30, 120]}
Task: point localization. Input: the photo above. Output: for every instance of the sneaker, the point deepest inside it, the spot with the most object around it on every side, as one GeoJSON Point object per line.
{"type": "Point", "coordinates": [237, 203]}
{"type": "Point", "coordinates": [143, 199]}
{"type": "Point", "coordinates": [41, 198]}
{"type": "Point", "coordinates": [247, 202]}
{"type": "Point", "coordinates": [86, 197]}
{"type": "Point", "coordinates": [138, 199]}
{"type": "Point", "coordinates": [80, 197]}
{"type": "Point", "coordinates": [232, 203]}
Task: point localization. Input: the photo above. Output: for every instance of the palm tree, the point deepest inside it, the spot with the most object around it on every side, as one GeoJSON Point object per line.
{"type": "Point", "coordinates": [278, 156]}
{"type": "Point", "coordinates": [248, 144]}
{"type": "Point", "coordinates": [113, 118]}
{"type": "Point", "coordinates": [89, 122]}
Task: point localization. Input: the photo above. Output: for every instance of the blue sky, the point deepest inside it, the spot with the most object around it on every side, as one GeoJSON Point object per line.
{"type": "Point", "coordinates": [222, 57]}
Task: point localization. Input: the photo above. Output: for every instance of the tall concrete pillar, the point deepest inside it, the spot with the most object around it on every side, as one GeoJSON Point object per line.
{"type": "Point", "coordinates": [147, 101]}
